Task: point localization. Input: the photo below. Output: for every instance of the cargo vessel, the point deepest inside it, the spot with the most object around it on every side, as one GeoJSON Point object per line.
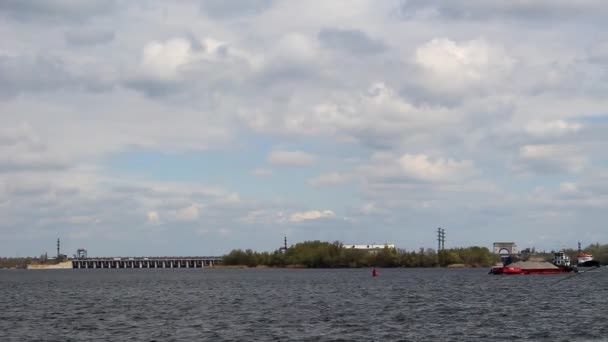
{"type": "Point", "coordinates": [560, 264]}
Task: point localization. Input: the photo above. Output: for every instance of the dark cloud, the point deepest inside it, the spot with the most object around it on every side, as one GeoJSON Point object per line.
{"type": "Point", "coordinates": [84, 38]}
{"type": "Point", "coordinates": [31, 164]}
{"type": "Point", "coordinates": [229, 9]}
{"type": "Point", "coordinates": [512, 10]}
{"type": "Point", "coordinates": [22, 73]}
{"type": "Point", "coordinates": [154, 87]}
{"type": "Point", "coordinates": [55, 10]}
{"type": "Point", "coordinates": [353, 41]}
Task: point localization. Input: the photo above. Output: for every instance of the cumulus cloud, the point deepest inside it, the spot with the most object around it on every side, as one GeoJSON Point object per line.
{"type": "Point", "coordinates": [552, 128]}
{"type": "Point", "coordinates": [189, 213]}
{"type": "Point", "coordinates": [551, 159]}
{"type": "Point", "coordinates": [291, 158]}
{"type": "Point", "coordinates": [378, 116]}
{"type": "Point", "coordinates": [310, 215]}
{"type": "Point", "coordinates": [420, 166]}
{"type": "Point", "coordinates": [451, 66]}
{"type": "Point", "coordinates": [170, 65]}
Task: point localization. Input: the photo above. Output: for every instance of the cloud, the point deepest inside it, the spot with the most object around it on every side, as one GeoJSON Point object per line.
{"type": "Point", "coordinates": [33, 73]}
{"type": "Point", "coordinates": [551, 159]}
{"type": "Point", "coordinates": [21, 150]}
{"type": "Point", "coordinates": [63, 10]}
{"type": "Point", "coordinates": [189, 213]}
{"type": "Point", "coordinates": [514, 10]}
{"type": "Point", "coordinates": [376, 117]}
{"type": "Point", "coordinates": [552, 128]}
{"type": "Point", "coordinates": [328, 179]}
{"type": "Point", "coordinates": [230, 9]}
{"type": "Point", "coordinates": [88, 37]}
{"type": "Point", "coordinates": [351, 41]}
{"type": "Point", "coordinates": [179, 63]}
{"type": "Point", "coordinates": [310, 215]}
{"type": "Point", "coordinates": [262, 172]}
{"type": "Point", "coordinates": [421, 167]}
{"type": "Point", "coordinates": [450, 66]}
{"type": "Point", "coordinates": [291, 158]}
{"type": "Point", "coordinates": [421, 114]}
{"type": "Point", "coordinates": [153, 218]}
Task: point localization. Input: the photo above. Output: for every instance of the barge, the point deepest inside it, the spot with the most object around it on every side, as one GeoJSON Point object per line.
{"type": "Point", "coordinates": [559, 265]}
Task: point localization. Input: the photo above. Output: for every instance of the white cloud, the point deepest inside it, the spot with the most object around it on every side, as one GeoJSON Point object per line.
{"type": "Point", "coordinates": [549, 158]}
{"type": "Point", "coordinates": [291, 158]}
{"type": "Point", "coordinates": [420, 166]}
{"type": "Point", "coordinates": [163, 59]}
{"type": "Point", "coordinates": [377, 116]}
{"type": "Point", "coordinates": [189, 213]}
{"type": "Point", "coordinates": [310, 215]}
{"type": "Point", "coordinates": [153, 217]}
{"type": "Point", "coordinates": [452, 65]}
{"type": "Point", "coordinates": [552, 128]}
{"type": "Point", "coordinates": [297, 48]}
{"type": "Point", "coordinates": [177, 60]}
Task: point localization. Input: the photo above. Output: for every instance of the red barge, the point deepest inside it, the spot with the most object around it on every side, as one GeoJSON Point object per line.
{"type": "Point", "coordinates": [561, 264]}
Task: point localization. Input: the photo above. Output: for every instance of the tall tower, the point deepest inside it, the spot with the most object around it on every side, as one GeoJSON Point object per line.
{"type": "Point", "coordinates": [284, 248]}
{"type": "Point", "coordinates": [440, 244]}
{"type": "Point", "coordinates": [438, 241]}
{"type": "Point", "coordinates": [58, 249]}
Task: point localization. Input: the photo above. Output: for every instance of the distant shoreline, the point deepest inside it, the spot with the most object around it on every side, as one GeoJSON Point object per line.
{"type": "Point", "coordinates": [300, 267]}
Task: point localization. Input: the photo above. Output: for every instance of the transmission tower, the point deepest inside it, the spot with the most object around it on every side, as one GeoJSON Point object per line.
{"type": "Point", "coordinates": [440, 244]}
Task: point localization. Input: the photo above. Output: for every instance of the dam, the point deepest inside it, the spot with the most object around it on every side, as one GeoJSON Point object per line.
{"type": "Point", "coordinates": [81, 260]}
{"type": "Point", "coordinates": [146, 262]}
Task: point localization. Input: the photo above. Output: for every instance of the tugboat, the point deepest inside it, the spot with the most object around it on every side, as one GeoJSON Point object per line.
{"type": "Point", "coordinates": [584, 260]}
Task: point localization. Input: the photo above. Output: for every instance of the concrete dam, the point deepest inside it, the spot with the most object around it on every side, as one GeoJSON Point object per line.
{"type": "Point", "coordinates": [150, 262]}
{"type": "Point", "coordinates": [135, 262]}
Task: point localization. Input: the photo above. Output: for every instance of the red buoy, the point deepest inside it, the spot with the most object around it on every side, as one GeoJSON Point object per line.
{"type": "Point", "coordinates": [374, 272]}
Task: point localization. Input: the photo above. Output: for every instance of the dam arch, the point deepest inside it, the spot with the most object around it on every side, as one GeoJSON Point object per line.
{"type": "Point", "coordinates": [508, 247]}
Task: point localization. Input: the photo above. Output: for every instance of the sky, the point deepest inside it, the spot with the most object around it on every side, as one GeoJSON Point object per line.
{"type": "Point", "coordinates": [197, 127]}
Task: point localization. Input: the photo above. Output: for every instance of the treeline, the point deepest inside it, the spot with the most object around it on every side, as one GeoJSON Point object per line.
{"type": "Point", "coordinates": [17, 262]}
{"type": "Point", "coordinates": [318, 254]}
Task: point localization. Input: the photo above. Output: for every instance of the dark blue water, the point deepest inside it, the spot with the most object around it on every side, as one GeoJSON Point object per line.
{"type": "Point", "coordinates": [304, 305]}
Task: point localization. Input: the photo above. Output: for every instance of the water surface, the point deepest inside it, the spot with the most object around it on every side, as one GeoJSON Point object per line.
{"type": "Point", "coordinates": [303, 305]}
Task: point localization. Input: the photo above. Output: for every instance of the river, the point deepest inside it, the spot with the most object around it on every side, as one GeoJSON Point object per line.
{"type": "Point", "coordinates": [302, 305]}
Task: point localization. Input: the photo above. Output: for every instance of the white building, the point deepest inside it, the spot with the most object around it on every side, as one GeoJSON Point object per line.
{"type": "Point", "coordinates": [371, 247]}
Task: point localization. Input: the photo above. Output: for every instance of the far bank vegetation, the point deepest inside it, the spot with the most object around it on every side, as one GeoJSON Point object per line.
{"type": "Point", "coordinates": [319, 254]}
